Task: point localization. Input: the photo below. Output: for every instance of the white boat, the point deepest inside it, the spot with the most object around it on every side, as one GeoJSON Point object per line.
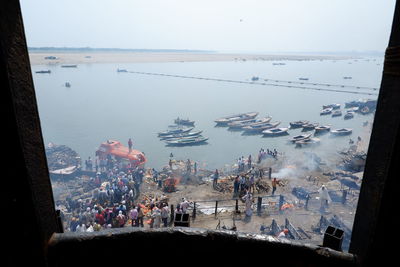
{"type": "Point", "coordinates": [334, 106]}
{"type": "Point", "coordinates": [275, 131]}
{"type": "Point", "coordinates": [310, 126]}
{"type": "Point", "coordinates": [187, 141]}
{"type": "Point", "coordinates": [298, 124]}
{"type": "Point", "coordinates": [308, 142]}
{"type": "Point", "coordinates": [181, 135]}
{"type": "Point", "coordinates": [260, 127]}
{"type": "Point", "coordinates": [326, 111]}
{"type": "Point", "coordinates": [299, 137]}
{"type": "Point", "coordinates": [176, 130]}
{"type": "Point", "coordinates": [336, 113]}
{"type": "Point", "coordinates": [321, 129]}
{"type": "Point", "coordinates": [241, 124]}
{"type": "Point", "coordinates": [349, 115]}
{"type": "Point", "coordinates": [236, 117]}
{"type": "Point", "coordinates": [342, 131]}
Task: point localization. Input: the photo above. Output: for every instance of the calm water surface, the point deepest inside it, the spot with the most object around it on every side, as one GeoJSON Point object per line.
{"type": "Point", "coordinates": [102, 104]}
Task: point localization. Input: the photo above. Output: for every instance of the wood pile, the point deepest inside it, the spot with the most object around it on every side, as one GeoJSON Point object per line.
{"type": "Point", "coordinates": [262, 186]}
{"type": "Point", "coordinates": [61, 156]}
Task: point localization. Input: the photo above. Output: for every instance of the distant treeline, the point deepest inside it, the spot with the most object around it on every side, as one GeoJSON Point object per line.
{"type": "Point", "coordinates": [90, 49]}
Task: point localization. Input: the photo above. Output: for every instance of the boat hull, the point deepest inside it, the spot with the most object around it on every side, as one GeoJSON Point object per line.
{"type": "Point", "coordinates": [238, 117]}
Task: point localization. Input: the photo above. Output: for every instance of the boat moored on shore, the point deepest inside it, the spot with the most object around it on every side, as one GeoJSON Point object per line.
{"type": "Point", "coordinates": [342, 131]}
{"type": "Point", "coordinates": [299, 137]}
{"type": "Point", "coordinates": [275, 131]}
{"type": "Point", "coordinates": [322, 129]}
{"type": "Point", "coordinates": [187, 141]}
{"type": "Point", "coordinates": [175, 130]}
{"type": "Point", "coordinates": [241, 124]}
{"type": "Point", "coordinates": [237, 117]}
{"type": "Point", "coordinates": [308, 142]}
{"type": "Point", "coordinates": [181, 135]}
{"type": "Point", "coordinates": [326, 111]}
{"type": "Point", "coordinates": [186, 122]}
{"type": "Point", "coordinates": [298, 124]}
{"type": "Point", "coordinates": [258, 128]}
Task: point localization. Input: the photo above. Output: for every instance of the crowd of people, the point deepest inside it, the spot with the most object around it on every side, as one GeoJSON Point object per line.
{"type": "Point", "coordinates": [117, 184]}
{"type": "Point", "coordinates": [263, 154]}
{"type": "Point", "coordinates": [114, 202]}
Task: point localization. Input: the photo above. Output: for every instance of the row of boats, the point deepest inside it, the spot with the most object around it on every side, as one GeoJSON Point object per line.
{"type": "Point", "coordinates": [307, 139]}
{"type": "Point", "coordinates": [363, 106]}
{"type": "Point", "coordinates": [182, 134]}
{"type": "Point", "coordinates": [334, 111]}
{"type": "Point", "coordinates": [248, 123]}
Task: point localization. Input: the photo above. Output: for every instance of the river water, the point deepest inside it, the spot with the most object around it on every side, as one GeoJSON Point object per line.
{"type": "Point", "coordinates": [103, 104]}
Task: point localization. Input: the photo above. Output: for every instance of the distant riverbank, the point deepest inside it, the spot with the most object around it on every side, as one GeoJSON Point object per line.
{"type": "Point", "coordinates": [47, 57]}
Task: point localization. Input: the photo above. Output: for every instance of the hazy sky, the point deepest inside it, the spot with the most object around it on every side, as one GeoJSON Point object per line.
{"type": "Point", "coordinates": [222, 25]}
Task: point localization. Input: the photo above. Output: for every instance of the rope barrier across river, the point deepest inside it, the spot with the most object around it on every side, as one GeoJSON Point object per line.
{"type": "Point", "coordinates": [273, 84]}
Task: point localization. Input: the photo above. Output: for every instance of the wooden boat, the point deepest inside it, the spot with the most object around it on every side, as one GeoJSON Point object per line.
{"type": "Point", "coordinates": [297, 124]}
{"type": "Point", "coordinates": [303, 79]}
{"type": "Point", "coordinates": [336, 113]}
{"type": "Point", "coordinates": [258, 128]}
{"type": "Point", "coordinates": [254, 78]}
{"type": "Point", "coordinates": [187, 141]}
{"type": "Point", "coordinates": [176, 131]}
{"type": "Point", "coordinates": [241, 124]}
{"type": "Point", "coordinates": [342, 131]}
{"type": "Point", "coordinates": [351, 104]}
{"type": "Point", "coordinates": [326, 111]}
{"type": "Point", "coordinates": [187, 122]}
{"type": "Point", "coordinates": [275, 131]}
{"type": "Point", "coordinates": [349, 115]}
{"type": "Point", "coordinates": [181, 135]}
{"type": "Point", "coordinates": [43, 71]}
{"type": "Point", "coordinates": [69, 66]}
{"type": "Point", "coordinates": [308, 142]}
{"type": "Point", "coordinates": [364, 110]}
{"type": "Point", "coordinates": [310, 126]}
{"type": "Point", "coordinates": [333, 106]}
{"type": "Point", "coordinates": [122, 70]}
{"type": "Point", "coordinates": [353, 109]}
{"type": "Point", "coordinates": [236, 117]}
{"type": "Point", "coordinates": [321, 129]}
{"type": "Point", "coordinates": [299, 137]}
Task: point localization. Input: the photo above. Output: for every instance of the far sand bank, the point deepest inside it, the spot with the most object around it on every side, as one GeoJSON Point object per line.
{"type": "Point", "coordinates": [39, 58]}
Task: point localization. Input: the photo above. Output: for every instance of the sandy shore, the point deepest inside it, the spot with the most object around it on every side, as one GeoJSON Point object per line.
{"type": "Point", "coordinates": [39, 58]}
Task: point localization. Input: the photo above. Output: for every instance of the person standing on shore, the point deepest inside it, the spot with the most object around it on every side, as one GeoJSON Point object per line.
{"type": "Point", "coordinates": [165, 214]}
{"type": "Point", "coordinates": [195, 168]}
{"type": "Point", "coordinates": [134, 217]}
{"type": "Point", "coordinates": [140, 216]}
{"type": "Point", "coordinates": [249, 162]}
{"type": "Point", "coordinates": [324, 197]}
{"type": "Point", "coordinates": [156, 216]}
{"type": "Point", "coordinates": [215, 179]}
{"type": "Point", "coordinates": [248, 198]}
{"type": "Point", "coordinates": [130, 144]}
{"type": "Point", "coordinates": [236, 185]}
{"type": "Point", "coordinates": [274, 183]}
{"type": "Point", "coordinates": [188, 167]}
{"type": "Point", "coordinates": [121, 219]}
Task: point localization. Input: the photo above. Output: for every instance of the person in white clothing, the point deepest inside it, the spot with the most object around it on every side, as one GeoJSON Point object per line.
{"type": "Point", "coordinates": [184, 205]}
{"type": "Point", "coordinates": [324, 197]}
